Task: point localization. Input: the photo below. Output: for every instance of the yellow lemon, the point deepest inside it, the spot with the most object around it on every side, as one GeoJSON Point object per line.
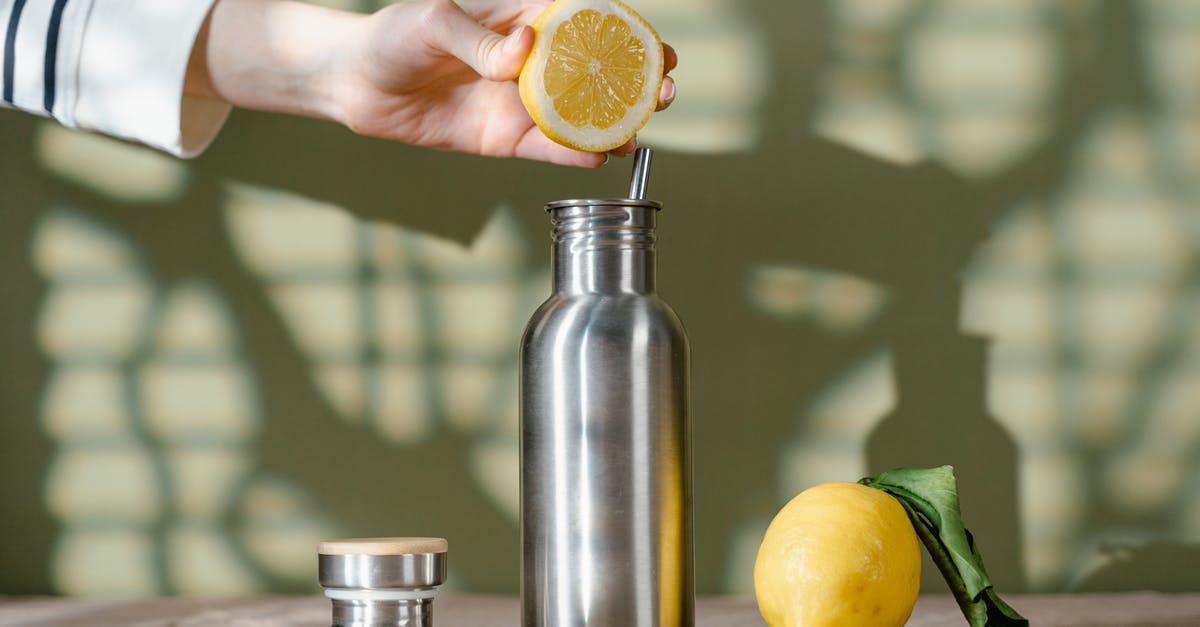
{"type": "Point", "coordinates": [839, 554]}
{"type": "Point", "coordinates": [593, 76]}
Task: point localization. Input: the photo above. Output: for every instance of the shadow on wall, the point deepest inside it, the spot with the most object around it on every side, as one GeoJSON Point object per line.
{"type": "Point", "coordinates": [1160, 566]}
{"type": "Point", "coordinates": [796, 199]}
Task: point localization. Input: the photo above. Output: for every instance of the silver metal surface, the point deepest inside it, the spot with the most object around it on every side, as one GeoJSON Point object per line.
{"type": "Point", "coordinates": [600, 202]}
{"type": "Point", "coordinates": [641, 173]}
{"type": "Point", "coordinates": [408, 613]}
{"type": "Point", "coordinates": [363, 582]}
{"type": "Point", "coordinates": [380, 572]}
{"type": "Point", "coordinates": [605, 468]}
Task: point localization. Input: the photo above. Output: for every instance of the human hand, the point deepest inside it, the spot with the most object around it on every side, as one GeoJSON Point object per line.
{"type": "Point", "coordinates": [432, 73]}
{"type": "Point", "coordinates": [423, 72]}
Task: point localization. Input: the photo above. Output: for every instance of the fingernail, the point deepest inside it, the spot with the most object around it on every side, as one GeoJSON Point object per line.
{"type": "Point", "coordinates": [513, 40]}
{"type": "Point", "coordinates": [670, 93]}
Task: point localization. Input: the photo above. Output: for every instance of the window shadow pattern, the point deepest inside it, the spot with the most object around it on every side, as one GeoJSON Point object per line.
{"type": "Point", "coordinates": [1013, 310]}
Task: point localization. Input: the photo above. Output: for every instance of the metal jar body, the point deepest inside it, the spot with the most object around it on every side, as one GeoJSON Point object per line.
{"type": "Point", "coordinates": [605, 465]}
{"type": "Point", "coordinates": [381, 589]}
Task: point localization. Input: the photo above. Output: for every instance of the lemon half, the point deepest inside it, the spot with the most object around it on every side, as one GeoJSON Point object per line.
{"type": "Point", "coordinates": [838, 555]}
{"type": "Point", "coordinates": [594, 74]}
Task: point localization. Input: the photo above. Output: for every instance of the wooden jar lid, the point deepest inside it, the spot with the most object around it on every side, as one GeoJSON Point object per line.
{"type": "Point", "coordinates": [382, 546]}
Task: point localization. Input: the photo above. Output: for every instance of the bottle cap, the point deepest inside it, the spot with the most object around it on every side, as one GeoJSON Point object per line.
{"type": "Point", "coordinates": [382, 563]}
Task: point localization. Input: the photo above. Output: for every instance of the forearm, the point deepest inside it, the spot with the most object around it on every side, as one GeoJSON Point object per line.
{"type": "Point", "coordinates": [272, 55]}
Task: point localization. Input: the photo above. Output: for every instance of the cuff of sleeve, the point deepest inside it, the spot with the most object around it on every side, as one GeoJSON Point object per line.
{"type": "Point", "coordinates": [131, 71]}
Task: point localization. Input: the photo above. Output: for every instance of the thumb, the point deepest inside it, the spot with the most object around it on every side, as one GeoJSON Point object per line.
{"type": "Point", "coordinates": [492, 55]}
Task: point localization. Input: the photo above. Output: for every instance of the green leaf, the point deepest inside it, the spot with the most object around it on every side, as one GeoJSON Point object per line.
{"type": "Point", "coordinates": [930, 497]}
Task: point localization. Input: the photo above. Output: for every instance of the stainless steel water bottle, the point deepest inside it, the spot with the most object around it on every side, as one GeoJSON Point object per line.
{"type": "Point", "coordinates": [605, 463]}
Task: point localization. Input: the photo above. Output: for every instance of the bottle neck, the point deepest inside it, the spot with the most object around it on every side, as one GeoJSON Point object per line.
{"type": "Point", "coordinates": [604, 247]}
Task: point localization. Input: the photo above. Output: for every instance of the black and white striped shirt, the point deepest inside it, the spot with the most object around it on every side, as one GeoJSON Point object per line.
{"type": "Point", "coordinates": [114, 66]}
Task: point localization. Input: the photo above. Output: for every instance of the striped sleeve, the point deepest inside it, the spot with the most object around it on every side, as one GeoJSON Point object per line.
{"type": "Point", "coordinates": [113, 66]}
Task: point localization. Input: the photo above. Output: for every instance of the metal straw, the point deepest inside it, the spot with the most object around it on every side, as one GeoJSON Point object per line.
{"type": "Point", "coordinates": [641, 173]}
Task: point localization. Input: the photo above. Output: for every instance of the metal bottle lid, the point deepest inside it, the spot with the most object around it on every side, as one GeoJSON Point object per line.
{"type": "Point", "coordinates": [382, 581]}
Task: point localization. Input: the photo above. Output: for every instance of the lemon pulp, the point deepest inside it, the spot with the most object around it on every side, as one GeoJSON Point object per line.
{"type": "Point", "coordinates": [595, 71]}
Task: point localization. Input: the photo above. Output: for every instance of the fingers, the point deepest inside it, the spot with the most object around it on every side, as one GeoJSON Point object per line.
{"type": "Point", "coordinates": [534, 145]}
{"type": "Point", "coordinates": [538, 147]}
{"type": "Point", "coordinates": [511, 56]}
{"type": "Point", "coordinates": [492, 55]}
{"type": "Point", "coordinates": [666, 95]}
{"type": "Point", "coordinates": [625, 149]}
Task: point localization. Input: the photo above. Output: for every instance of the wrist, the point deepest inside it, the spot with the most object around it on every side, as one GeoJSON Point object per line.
{"type": "Point", "coordinates": [278, 55]}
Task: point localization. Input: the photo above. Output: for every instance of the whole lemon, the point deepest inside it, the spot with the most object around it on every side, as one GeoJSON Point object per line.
{"type": "Point", "coordinates": [839, 554]}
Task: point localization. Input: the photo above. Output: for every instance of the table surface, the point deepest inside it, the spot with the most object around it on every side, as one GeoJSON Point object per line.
{"type": "Point", "coordinates": [1135, 609]}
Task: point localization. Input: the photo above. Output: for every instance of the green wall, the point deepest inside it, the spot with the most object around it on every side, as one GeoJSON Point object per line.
{"type": "Point", "coordinates": [901, 233]}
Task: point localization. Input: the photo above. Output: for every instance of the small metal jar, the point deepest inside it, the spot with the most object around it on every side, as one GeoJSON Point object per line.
{"type": "Point", "coordinates": [382, 582]}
